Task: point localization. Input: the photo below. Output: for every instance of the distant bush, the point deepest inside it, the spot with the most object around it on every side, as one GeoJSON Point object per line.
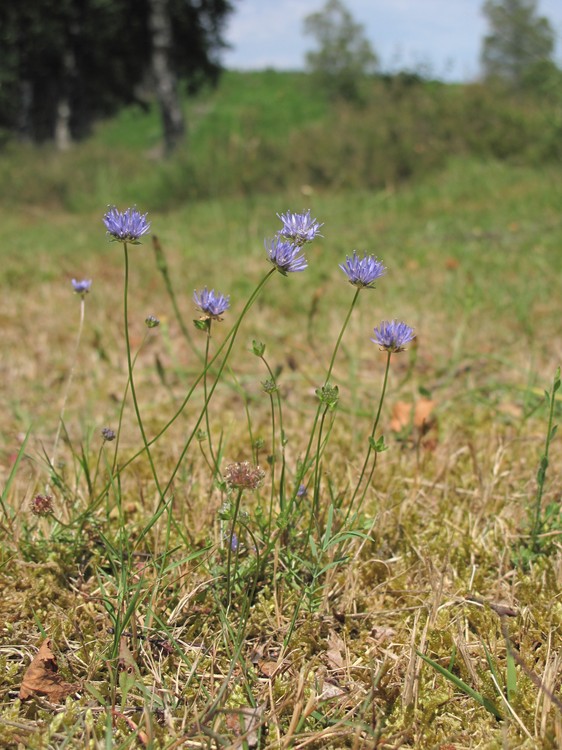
{"type": "Point", "coordinates": [269, 132]}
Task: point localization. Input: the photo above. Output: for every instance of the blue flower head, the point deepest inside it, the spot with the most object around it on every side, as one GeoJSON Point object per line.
{"type": "Point", "coordinates": [302, 491]}
{"type": "Point", "coordinates": [211, 303]}
{"type": "Point", "coordinates": [82, 287]}
{"type": "Point", "coordinates": [393, 335]}
{"type": "Point", "coordinates": [299, 228]}
{"type": "Point", "coordinates": [285, 256]}
{"type": "Point", "coordinates": [362, 272]}
{"type": "Point", "coordinates": [127, 226]}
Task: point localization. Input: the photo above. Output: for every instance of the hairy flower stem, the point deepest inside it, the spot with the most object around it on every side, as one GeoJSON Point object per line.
{"type": "Point", "coordinates": [67, 388]}
{"type": "Point", "coordinates": [370, 448]}
{"type": "Point", "coordinates": [122, 408]}
{"type": "Point", "coordinates": [205, 395]}
{"type": "Point", "coordinates": [319, 409]}
{"type": "Point", "coordinates": [273, 445]}
{"type": "Point", "coordinates": [130, 372]}
{"type": "Point", "coordinates": [229, 552]}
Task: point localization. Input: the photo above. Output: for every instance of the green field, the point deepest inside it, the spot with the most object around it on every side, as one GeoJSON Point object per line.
{"type": "Point", "coordinates": [305, 641]}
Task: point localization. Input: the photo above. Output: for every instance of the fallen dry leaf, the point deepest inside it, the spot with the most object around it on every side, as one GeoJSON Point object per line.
{"type": "Point", "coordinates": [418, 415]}
{"type": "Point", "coordinates": [336, 651]}
{"type": "Point", "coordinates": [245, 724]}
{"type": "Point", "coordinates": [42, 677]}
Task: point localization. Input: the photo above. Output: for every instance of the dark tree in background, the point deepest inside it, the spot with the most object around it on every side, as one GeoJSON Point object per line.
{"type": "Point", "coordinates": [66, 63]}
{"type": "Point", "coordinates": [520, 41]}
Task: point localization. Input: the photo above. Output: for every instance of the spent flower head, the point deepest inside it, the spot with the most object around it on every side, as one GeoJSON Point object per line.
{"type": "Point", "coordinates": [362, 272]}
{"type": "Point", "coordinates": [211, 303]}
{"type": "Point", "coordinates": [42, 505]}
{"type": "Point", "coordinates": [126, 226]}
{"type": "Point", "coordinates": [285, 256]}
{"type": "Point", "coordinates": [393, 335]}
{"type": "Point", "coordinates": [81, 287]}
{"type": "Point", "coordinates": [152, 321]}
{"type": "Point", "coordinates": [244, 476]}
{"type": "Point", "coordinates": [299, 228]}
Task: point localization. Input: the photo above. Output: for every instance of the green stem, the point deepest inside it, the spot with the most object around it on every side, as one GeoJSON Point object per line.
{"type": "Point", "coordinates": [370, 448]}
{"type": "Point", "coordinates": [229, 552]}
{"type": "Point", "coordinates": [68, 384]}
{"type": "Point", "coordinates": [319, 409]}
{"type": "Point", "coordinates": [205, 395]}
{"type": "Point", "coordinates": [544, 463]}
{"type": "Point", "coordinates": [130, 372]}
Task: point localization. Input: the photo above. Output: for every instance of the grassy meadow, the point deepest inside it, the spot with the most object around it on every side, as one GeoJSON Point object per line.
{"type": "Point", "coordinates": [427, 616]}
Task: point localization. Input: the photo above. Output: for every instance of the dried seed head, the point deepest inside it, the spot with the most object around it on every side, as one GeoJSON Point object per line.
{"type": "Point", "coordinates": [42, 505]}
{"type": "Point", "coordinates": [244, 475]}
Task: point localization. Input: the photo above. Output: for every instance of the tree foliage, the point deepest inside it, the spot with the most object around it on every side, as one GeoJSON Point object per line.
{"type": "Point", "coordinates": [96, 55]}
{"type": "Point", "coordinates": [344, 55]}
{"type": "Point", "coordinates": [519, 39]}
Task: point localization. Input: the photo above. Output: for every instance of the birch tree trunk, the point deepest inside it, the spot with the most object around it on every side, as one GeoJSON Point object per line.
{"type": "Point", "coordinates": [164, 77]}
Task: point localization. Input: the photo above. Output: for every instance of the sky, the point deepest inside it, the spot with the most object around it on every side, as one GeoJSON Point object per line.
{"type": "Point", "coordinates": [440, 37]}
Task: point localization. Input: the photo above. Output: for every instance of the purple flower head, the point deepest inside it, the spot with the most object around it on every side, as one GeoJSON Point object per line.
{"type": "Point", "coordinates": [128, 226]}
{"type": "Point", "coordinates": [298, 228]}
{"type": "Point", "coordinates": [108, 434]}
{"type": "Point", "coordinates": [82, 287]}
{"type": "Point", "coordinates": [362, 272]}
{"type": "Point", "coordinates": [393, 335]}
{"type": "Point", "coordinates": [302, 491]}
{"type": "Point", "coordinates": [211, 303]}
{"type": "Point", "coordinates": [285, 256]}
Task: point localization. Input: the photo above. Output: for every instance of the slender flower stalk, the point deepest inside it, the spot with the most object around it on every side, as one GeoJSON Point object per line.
{"type": "Point", "coordinates": [130, 371]}
{"type": "Point", "coordinates": [326, 381]}
{"type": "Point", "coordinates": [70, 377]}
{"type": "Point", "coordinates": [209, 322]}
{"type": "Point", "coordinates": [370, 448]}
{"type": "Point", "coordinates": [228, 343]}
{"type": "Point", "coordinates": [392, 337]}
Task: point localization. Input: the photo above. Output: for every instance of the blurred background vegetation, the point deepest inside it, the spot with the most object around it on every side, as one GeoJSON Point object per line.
{"type": "Point", "coordinates": [81, 126]}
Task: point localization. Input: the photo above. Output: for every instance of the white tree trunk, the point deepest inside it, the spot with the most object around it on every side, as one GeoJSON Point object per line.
{"type": "Point", "coordinates": [164, 77]}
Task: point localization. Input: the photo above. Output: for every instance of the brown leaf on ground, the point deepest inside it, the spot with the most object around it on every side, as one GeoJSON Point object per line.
{"type": "Point", "coordinates": [335, 654]}
{"type": "Point", "coordinates": [417, 415]}
{"type": "Point", "coordinates": [42, 677]}
{"type": "Point", "coordinates": [245, 724]}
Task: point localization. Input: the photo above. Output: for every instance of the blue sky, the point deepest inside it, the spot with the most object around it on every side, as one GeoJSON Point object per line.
{"type": "Point", "coordinates": [443, 36]}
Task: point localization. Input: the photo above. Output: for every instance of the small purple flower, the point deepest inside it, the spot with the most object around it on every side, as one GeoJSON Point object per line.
{"type": "Point", "coordinates": [299, 228]}
{"type": "Point", "coordinates": [108, 434]}
{"type": "Point", "coordinates": [82, 287]}
{"type": "Point", "coordinates": [362, 272]}
{"type": "Point", "coordinates": [128, 226]}
{"type": "Point", "coordinates": [234, 542]}
{"type": "Point", "coordinates": [302, 491]}
{"type": "Point", "coordinates": [393, 335]}
{"type": "Point", "coordinates": [211, 303]}
{"type": "Point", "coordinates": [285, 256]}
